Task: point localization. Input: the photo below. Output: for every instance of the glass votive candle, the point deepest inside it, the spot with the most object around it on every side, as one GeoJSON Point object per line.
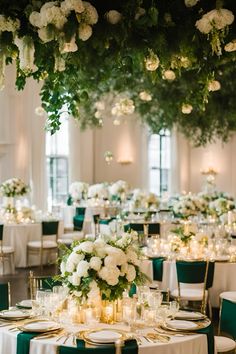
{"type": "Point", "coordinates": [107, 312]}
{"type": "Point", "coordinates": [91, 315]}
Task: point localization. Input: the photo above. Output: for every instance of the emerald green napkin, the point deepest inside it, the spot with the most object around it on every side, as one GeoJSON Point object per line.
{"type": "Point", "coordinates": [130, 347]}
{"type": "Point", "coordinates": [23, 342]}
{"type": "Point", "coordinates": [210, 337]}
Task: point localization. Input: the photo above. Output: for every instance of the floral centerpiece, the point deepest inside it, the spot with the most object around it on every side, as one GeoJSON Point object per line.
{"type": "Point", "coordinates": [119, 189]}
{"type": "Point", "coordinates": [137, 199]}
{"type": "Point", "coordinates": [78, 191]}
{"type": "Point", "coordinates": [152, 200]}
{"type": "Point", "coordinates": [14, 187]}
{"type": "Point", "coordinates": [98, 191]}
{"type": "Point", "coordinates": [221, 206]}
{"type": "Point", "coordinates": [184, 234]}
{"type": "Point", "coordinates": [184, 207]}
{"type": "Point", "coordinates": [106, 267]}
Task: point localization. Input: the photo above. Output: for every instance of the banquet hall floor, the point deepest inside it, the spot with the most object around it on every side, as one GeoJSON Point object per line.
{"type": "Point", "coordinates": [20, 286]}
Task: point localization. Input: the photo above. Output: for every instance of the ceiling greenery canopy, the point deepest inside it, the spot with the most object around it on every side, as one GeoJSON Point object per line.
{"type": "Point", "coordinates": [171, 61]}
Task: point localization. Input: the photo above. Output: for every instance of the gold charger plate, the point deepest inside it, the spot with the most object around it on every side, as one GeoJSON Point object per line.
{"type": "Point", "coordinates": [35, 327]}
{"type": "Point", "coordinates": [198, 325]}
{"type": "Point", "coordinates": [122, 335]}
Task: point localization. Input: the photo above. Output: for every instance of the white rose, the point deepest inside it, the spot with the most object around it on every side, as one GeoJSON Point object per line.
{"type": "Point", "coordinates": [186, 108]}
{"type": "Point", "coordinates": [37, 20]}
{"type": "Point", "coordinates": [214, 86]}
{"type": "Point", "coordinates": [86, 246]}
{"type": "Point", "coordinates": [40, 111]}
{"type": "Point", "coordinates": [82, 269]}
{"type": "Point", "coordinates": [89, 15]}
{"type": "Point", "coordinates": [231, 46]}
{"type": "Point", "coordinates": [45, 35]}
{"type": "Point", "coordinates": [72, 5]}
{"type": "Point", "coordinates": [169, 75]}
{"type": "Point", "coordinates": [152, 62]}
{"type": "Point", "coordinates": [145, 96]}
{"type": "Point", "coordinates": [117, 254]}
{"type": "Point", "coordinates": [113, 17]}
{"type": "Point", "coordinates": [85, 31]}
{"type": "Point", "coordinates": [110, 275]}
{"type": "Point", "coordinates": [70, 266]}
{"type": "Point", "coordinates": [75, 279]}
{"type": "Point", "coordinates": [63, 267]}
{"type": "Point", "coordinates": [124, 268]}
{"type": "Point", "coordinates": [132, 257]}
{"type": "Point", "coordinates": [190, 3]}
{"type": "Point", "coordinates": [131, 273]}
{"type": "Point", "coordinates": [95, 263]}
{"type": "Point", "coordinates": [75, 257]}
{"type": "Point", "coordinates": [110, 261]}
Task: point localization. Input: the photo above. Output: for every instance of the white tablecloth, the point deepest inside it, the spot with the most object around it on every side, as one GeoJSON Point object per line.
{"type": "Point", "coordinates": [18, 235]}
{"type": "Point", "coordinates": [224, 278]}
{"type": "Point", "coordinates": [196, 344]}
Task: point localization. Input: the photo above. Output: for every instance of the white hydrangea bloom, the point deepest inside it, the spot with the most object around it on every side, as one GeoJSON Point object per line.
{"type": "Point", "coordinates": [110, 275]}
{"type": "Point", "coordinates": [82, 268]}
{"type": "Point", "coordinates": [85, 31]}
{"type": "Point", "coordinates": [37, 20]}
{"type": "Point", "coordinates": [75, 258]}
{"type": "Point", "coordinates": [132, 257]}
{"type": "Point", "coordinates": [218, 19]}
{"type": "Point", "coordinates": [75, 279]}
{"type": "Point", "coordinates": [113, 17]}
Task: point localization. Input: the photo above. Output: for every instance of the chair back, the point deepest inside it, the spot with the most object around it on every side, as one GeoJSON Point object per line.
{"type": "Point", "coordinates": [134, 227]}
{"type": "Point", "coordinates": [1, 232]}
{"type": "Point", "coordinates": [157, 264]}
{"type": "Point", "coordinates": [80, 211]}
{"type": "Point", "coordinates": [5, 296]}
{"type": "Point", "coordinates": [154, 228]}
{"type": "Point", "coordinates": [228, 318]}
{"type": "Point", "coordinates": [191, 272]}
{"type": "Point", "coordinates": [44, 282]}
{"type": "Point", "coordinates": [50, 228]}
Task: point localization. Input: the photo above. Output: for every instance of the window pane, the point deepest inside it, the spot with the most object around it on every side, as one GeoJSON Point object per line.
{"type": "Point", "coordinates": [159, 162]}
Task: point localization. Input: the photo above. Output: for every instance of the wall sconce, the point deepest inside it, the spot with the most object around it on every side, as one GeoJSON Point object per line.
{"type": "Point", "coordinates": [125, 161]}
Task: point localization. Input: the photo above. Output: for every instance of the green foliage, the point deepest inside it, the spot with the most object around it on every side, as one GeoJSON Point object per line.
{"type": "Point", "coordinates": [112, 60]}
{"type": "Point", "coordinates": [184, 237]}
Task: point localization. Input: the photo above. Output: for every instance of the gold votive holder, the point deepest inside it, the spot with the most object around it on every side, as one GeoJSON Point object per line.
{"type": "Point", "coordinates": [108, 312]}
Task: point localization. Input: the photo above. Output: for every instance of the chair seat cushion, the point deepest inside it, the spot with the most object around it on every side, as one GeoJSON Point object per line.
{"type": "Point", "coordinates": [189, 294]}
{"type": "Point", "coordinates": [76, 235]}
{"type": "Point", "coordinates": [224, 344]}
{"type": "Point", "coordinates": [229, 295]}
{"type": "Point", "coordinates": [46, 244]}
{"type": "Point", "coordinates": [65, 241]}
{"type": "Point", "coordinates": [7, 249]}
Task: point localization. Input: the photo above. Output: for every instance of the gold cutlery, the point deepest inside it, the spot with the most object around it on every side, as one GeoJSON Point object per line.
{"type": "Point", "coordinates": [52, 334]}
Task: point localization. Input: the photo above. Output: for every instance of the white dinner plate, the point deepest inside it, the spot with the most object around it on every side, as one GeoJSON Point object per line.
{"type": "Point", "coordinates": [189, 315]}
{"type": "Point", "coordinates": [27, 304]}
{"type": "Point", "coordinates": [182, 325]}
{"type": "Point", "coordinates": [14, 314]}
{"type": "Point", "coordinates": [104, 336]}
{"type": "Point", "coordinates": [40, 326]}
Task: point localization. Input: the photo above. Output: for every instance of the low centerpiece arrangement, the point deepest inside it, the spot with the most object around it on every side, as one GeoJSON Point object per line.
{"type": "Point", "coordinates": [78, 191]}
{"type": "Point", "coordinates": [103, 269]}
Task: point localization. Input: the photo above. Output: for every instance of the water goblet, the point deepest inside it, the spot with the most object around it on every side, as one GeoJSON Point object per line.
{"type": "Point", "coordinates": [174, 308]}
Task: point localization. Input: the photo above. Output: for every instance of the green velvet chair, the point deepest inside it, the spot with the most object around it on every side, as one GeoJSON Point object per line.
{"type": "Point", "coordinates": [194, 272]}
{"type": "Point", "coordinates": [227, 327]}
{"type": "Point", "coordinates": [5, 296]}
{"type": "Point", "coordinates": [157, 264]}
{"type": "Point", "coordinates": [78, 219]}
{"type": "Point", "coordinates": [49, 229]}
{"type": "Point", "coordinates": [6, 254]}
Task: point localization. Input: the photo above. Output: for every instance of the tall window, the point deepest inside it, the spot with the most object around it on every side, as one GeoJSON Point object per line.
{"type": "Point", "coordinates": [159, 162]}
{"type": "Point", "coordinates": [57, 151]}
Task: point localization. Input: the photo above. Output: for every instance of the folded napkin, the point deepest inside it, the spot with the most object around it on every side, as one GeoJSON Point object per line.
{"type": "Point", "coordinates": [130, 347]}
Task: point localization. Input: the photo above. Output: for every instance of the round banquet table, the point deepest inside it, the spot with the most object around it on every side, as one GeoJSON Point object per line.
{"type": "Point", "coordinates": [18, 235]}
{"type": "Point", "coordinates": [190, 344]}
{"type": "Point", "coordinates": [224, 278]}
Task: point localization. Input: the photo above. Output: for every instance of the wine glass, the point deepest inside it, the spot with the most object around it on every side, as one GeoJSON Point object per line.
{"type": "Point", "coordinates": [174, 308]}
